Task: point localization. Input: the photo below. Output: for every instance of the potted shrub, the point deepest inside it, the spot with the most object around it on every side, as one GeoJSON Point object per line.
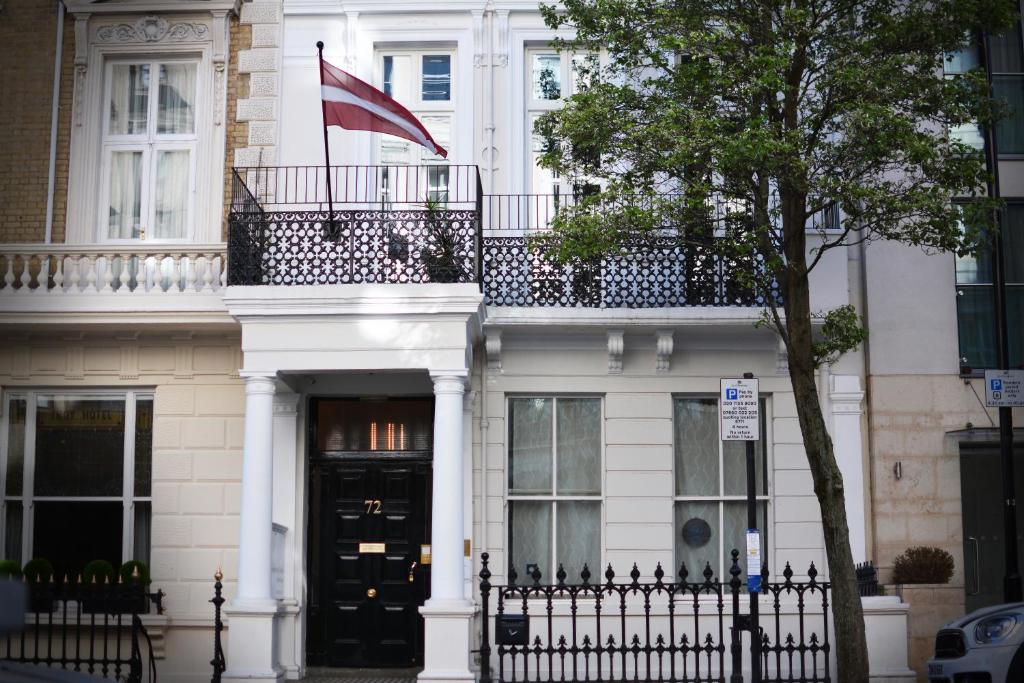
{"type": "Point", "coordinates": [98, 577]}
{"type": "Point", "coordinates": [134, 576]}
{"type": "Point", "coordinates": [38, 572]}
{"type": "Point", "coordinates": [443, 251]}
{"type": "Point", "coordinates": [922, 564]}
{"type": "Point", "coordinates": [9, 569]}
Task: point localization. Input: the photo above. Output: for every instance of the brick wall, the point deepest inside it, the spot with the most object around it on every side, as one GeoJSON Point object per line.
{"type": "Point", "coordinates": [238, 88]}
{"type": "Point", "coordinates": [27, 33]}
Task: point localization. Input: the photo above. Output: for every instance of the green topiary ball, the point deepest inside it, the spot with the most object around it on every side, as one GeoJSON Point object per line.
{"type": "Point", "coordinates": [134, 571]}
{"type": "Point", "coordinates": [9, 569]}
{"type": "Point", "coordinates": [99, 571]}
{"type": "Point", "coordinates": [38, 570]}
{"type": "Point", "coordinates": [922, 564]}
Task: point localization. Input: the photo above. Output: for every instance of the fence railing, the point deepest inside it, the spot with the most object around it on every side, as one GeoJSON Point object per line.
{"type": "Point", "coordinates": [95, 628]}
{"type": "Point", "coordinates": [674, 629]}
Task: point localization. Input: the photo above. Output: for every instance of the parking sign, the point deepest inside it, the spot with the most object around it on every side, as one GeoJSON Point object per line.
{"type": "Point", "coordinates": [1004, 388]}
{"type": "Point", "coordinates": [738, 410]}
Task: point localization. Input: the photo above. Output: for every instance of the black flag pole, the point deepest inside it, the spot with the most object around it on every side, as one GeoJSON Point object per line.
{"type": "Point", "coordinates": [327, 150]}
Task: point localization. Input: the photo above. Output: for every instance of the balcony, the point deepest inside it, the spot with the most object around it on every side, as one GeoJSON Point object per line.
{"type": "Point", "coordinates": [419, 224]}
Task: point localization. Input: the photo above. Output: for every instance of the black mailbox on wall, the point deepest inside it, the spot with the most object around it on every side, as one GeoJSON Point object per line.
{"type": "Point", "coordinates": [512, 629]}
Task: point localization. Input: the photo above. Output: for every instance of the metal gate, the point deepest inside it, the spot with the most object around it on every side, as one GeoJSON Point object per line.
{"type": "Point", "coordinates": [684, 629]}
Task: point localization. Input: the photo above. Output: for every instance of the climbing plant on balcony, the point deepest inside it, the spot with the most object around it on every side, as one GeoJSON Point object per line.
{"type": "Point", "coordinates": [740, 126]}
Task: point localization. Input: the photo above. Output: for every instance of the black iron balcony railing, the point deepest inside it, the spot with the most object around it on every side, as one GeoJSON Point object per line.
{"type": "Point", "coordinates": [418, 224]}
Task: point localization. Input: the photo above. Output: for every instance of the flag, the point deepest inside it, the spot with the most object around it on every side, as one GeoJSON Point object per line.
{"type": "Point", "coordinates": [356, 105]}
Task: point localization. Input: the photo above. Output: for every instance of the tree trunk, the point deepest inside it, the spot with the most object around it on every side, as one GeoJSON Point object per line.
{"type": "Point", "coordinates": [850, 642]}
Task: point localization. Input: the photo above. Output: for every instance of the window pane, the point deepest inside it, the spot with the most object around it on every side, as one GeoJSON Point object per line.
{"type": "Point", "coordinates": [176, 114]}
{"type": "Point", "coordinates": [143, 516]}
{"type": "Point", "coordinates": [143, 446]}
{"type": "Point", "coordinates": [735, 534]}
{"type": "Point", "coordinates": [397, 77]}
{"type": "Point", "coordinates": [579, 538]}
{"type": "Point", "coordinates": [12, 531]}
{"type": "Point", "coordinates": [976, 326]}
{"type": "Point", "coordinates": [1015, 324]}
{"type": "Point", "coordinates": [1010, 129]}
{"type": "Point", "coordinates": [437, 183]}
{"type": "Point", "coordinates": [17, 408]}
{"type": "Point", "coordinates": [696, 446]}
{"type": "Point", "coordinates": [389, 75]}
{"type": "Point", "coordinates": [547, 77]}
{"type": "Point", "coordinates": [962, 60]}
{"type": "Point", "coordinates": [968, 134]}
{"type": "Point", "coordinates": [697, 538]}
{"type": "Point", "coordinates": [579, 446]}
{"type": "Point", "coordinates": [172, 193]}
{"type": "Point", "coordinates": [437, 78]}
{"type": "Point", "coordinates": [79, 446]}
{"type": "Point", "coordinates": [1005, 46]}
{"type": "Point", "coordinates": [129, 99]}
{"type": "Point", "coordinates": [529, 523]}
{"type": "Point", "coordinates": [1013, 243]}
{"type": "Point", "coordinates": [125, 211]}
{"type": "Point", "coordinates": [529, 450]}
{"type": "Point", "coordinates": [440, 128]}
{"type": "Point", "coordinates": [72, 534]}
{"type": "Point", "coordinates": [734, 464]}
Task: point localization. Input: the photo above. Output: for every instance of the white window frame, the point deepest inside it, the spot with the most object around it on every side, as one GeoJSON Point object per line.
{"type": "Point", "coordinates": [554, 497]}
{"type": "Point", "coordinates": [724, 561]}
{"type": "Point", "coordinates": [201, 36]}
{"type": "Point", "coordinates": [150, 144]}
{"type": "Point", "coordinates": [419, 107]}
{"type": "Point", "coordinates": [128, 499]}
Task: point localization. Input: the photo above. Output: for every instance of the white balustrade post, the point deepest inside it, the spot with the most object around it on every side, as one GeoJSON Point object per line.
{"type": "Point", "coordinates": [252, 651]}
{"type": "Point", "coordinates": [447, 615]}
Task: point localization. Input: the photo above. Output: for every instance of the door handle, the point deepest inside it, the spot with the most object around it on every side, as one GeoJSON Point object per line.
{"type": "Point", "coordinates": [412, 568]}
{"type": "Point", "coordinates": [371, 593]}
{"type": "Point", "coordinates": [977, 567]}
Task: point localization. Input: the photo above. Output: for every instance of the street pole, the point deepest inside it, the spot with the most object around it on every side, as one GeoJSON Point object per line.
{"type": "Point", "coordinates": [755, 630]}
{"type": "Point", "coordinates": [1011, 574]}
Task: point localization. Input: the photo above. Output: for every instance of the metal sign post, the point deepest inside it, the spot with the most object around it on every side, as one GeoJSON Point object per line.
{"type": "Point", "coordinates": [739, 410]}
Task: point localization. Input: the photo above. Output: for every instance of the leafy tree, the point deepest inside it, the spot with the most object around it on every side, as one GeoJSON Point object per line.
{"type": "Point", "coordinates": [737, 126]}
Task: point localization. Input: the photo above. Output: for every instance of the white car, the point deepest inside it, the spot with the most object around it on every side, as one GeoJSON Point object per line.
{"type": "Point", "coordinates": [986, 646]}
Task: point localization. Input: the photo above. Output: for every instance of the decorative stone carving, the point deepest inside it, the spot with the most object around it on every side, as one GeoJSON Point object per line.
{"type": "Point", "coordinates": [616, 346]}
{"type": "Point", "coordinates": [492, 346]}
{"type": "Point", "coordinates": [663, 350]}
{"type": "Point", "coordinates": [152, 29]}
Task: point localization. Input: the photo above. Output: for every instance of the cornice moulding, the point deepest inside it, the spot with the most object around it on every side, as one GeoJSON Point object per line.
{"type": "Point", "coordinates": [160, 6]}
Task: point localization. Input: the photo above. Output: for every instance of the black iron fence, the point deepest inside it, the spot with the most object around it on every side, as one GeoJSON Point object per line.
{"type": "Point", "coordinates": [95, 628]}
{"type": "Point", "coordinates": [679, 629]}
{"type": "Point", "coordinates": [219, 663]}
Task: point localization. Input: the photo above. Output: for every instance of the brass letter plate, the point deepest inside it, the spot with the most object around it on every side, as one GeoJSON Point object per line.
{"type": "Point", "coordinates": [371, 547]}
{"type": "Point", "coordinates": [424, 554]}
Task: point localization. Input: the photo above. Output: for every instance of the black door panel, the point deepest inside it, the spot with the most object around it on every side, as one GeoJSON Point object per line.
{"type": "Point", "coordinates": [363, 606]}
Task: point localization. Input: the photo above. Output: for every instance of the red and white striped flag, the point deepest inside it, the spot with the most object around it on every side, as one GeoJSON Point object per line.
{"type": "Point", "coordinates": [356, 105]}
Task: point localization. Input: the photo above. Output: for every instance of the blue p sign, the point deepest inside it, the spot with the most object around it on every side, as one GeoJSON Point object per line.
{"type": "Point", "coordinates": [732, 394]}
{"type": "Point", "coordinates": [997, 385]}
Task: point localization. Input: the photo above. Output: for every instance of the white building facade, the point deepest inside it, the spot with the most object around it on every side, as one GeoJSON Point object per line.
{"type": "Point", "coordinates": [340, 430]}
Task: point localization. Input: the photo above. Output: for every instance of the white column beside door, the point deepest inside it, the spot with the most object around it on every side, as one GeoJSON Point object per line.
{"type": "Point", "coordinates": [251, 615]}
{"type": "Point", "coordinates": [447, 615]}
{"type": "Point", "coordinates": [845, 397]}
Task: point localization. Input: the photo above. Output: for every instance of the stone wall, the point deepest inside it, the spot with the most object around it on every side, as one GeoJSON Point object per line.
{"type": "Point", "coordinates": [28, 34]}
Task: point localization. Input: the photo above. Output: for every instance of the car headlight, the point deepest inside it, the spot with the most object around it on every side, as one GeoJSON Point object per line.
{"type": "Point", "coordinates": [995, 629]}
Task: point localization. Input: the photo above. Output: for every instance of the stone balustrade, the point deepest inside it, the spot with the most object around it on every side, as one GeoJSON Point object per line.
{"type": "Point", "coordinates": [59, 269]}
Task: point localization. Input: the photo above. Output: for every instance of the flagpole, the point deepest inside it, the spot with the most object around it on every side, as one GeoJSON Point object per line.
{"type": "Point", "coordinates": [327, 150]}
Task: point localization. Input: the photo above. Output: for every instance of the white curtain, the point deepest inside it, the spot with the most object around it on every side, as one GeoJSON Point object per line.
{"type": "Point", "coordinates": [176, 114]}
{"type": "Point", "coordinates": [530, 523]}
{"type": "Point", "coordinates": [579, 446]}
{"type": "Point", "coordinates": [696, 447]}
{"type": "Point", "coordinates": [171, 194]}
{"type": "Point", "coordinates": [125, 211]}
{"type": "Point", "coordinates": [530, 447]}
{"type": "Point", "coordinates": [129, 99]}
{"type": "Point", "coordinates": [579, 538]}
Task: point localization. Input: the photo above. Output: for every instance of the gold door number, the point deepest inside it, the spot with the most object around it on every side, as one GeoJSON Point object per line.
{"type": "Point", "coordinates": [373, 506]}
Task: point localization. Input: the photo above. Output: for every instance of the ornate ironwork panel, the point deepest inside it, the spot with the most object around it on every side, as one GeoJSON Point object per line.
{"type": "Point", "coordinates": [360, 246]}
{"type": "Point", "coordinates": [657, 273]}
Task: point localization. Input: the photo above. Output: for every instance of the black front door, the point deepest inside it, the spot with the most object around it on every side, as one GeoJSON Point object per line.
{"type": "Point", "coordinates": [369, 519]}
